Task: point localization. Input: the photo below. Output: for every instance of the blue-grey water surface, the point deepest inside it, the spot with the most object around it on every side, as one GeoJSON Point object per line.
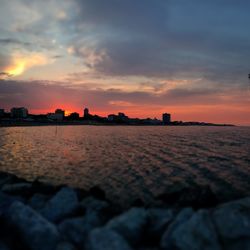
{"type": "Point", "coordinates": [130, 162]}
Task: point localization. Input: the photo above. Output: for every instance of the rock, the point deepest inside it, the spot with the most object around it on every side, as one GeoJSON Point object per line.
{"type": "Point", "coordinates": [194, 196]}
{"type": "Point", "coordinates": [184, 215]}
{"type": "Point", "coordinates": [44, 188]}
{"type": "Point", "coordinates": [65, 246]}
{"type": "Point", "coordinates": [4, 180]}
{"type": "Point", "coordinates": [36, 232]}
{"type": "Point", "coordinates": [3, 246]}
{"type": "Point", "coordinates": [105, 239]}
{"type": "Point", "coordinates": [81, 193]}
{"type": "Point", "coordinates": [38, 201]}
{"type": "Point", "coordinates": [131, 224]}
{"type": "Point", "coordinates": [197, 233]}
{"type": "Point", "coordinates": [138, 203]}
{"type": "Point", "coordinates": [6, 201]}
{"type": "Point", "coordinates": [22, 188]}
{"type": "Point", "coordinates": [158, 220]}
{"type": "Point", "coordinates": [97, 192]}
{"type": "Point", "coordinates": [7, 178]}
{"type": "Point", "coordinates": [76, 230]}
{"type": "Point", "coordinates": [63, 204]}
{"type": "Point", "coordinates": [232, 221]}
{"type": "Point", "coordinates": [92, 204]}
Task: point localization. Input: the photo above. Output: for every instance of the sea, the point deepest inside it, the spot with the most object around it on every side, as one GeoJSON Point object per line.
{"type": "Point", "coordinates": [130, 162]}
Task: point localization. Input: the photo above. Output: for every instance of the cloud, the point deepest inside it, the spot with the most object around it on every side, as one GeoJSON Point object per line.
{"type": "Point", "coordinates": [47, 92]}
{"type": "Point", "coordinates": [164, 38]}
{"type": "Point", "coordinates": [19, 63]}
{"type": "Point", "coordinates": [14, 41]}
{"type": "Point", "coordinates": [193, 104]}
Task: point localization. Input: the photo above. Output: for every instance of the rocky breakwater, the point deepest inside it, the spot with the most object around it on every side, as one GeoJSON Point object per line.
{"type": "Point", "coordinates": [37, 216]}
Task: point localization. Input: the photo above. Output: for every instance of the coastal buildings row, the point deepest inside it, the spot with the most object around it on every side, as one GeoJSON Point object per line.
{"type": "Point", "coordinates": [21, 116]}
{"type": "Point", "coordinates": [22, 113]}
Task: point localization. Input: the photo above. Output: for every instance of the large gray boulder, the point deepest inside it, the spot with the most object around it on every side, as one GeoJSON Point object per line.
{"type": "Point", "coordinates": [105, 239]}
{"type": "Point", "coordinates": [196, 233]}
{"type": "Point", "coordinates": [22, 188]}
{"type": "Point", "coordinates": [158, 220]}
{"type": "Point", "coordinates": [91, 204]}
{"type": "Point", "coordinates": [36, 232]}
{"type": "Point", "coordinates": [76, 230]}
{"type": "Point", "coordinates": [65, 246]}
{"type": "Point", "coordinates": [38, 201]}
{"type": "Point", "coordinates": [232, 221]}
{"type": "Point", "coordinates": [184, 215]}
{"type": "Point", "coordinates": [63, 204]}
{"type": "Point", "coordinates": [6, 201]}
{"type": "Point", "coordinates": [131, 224]}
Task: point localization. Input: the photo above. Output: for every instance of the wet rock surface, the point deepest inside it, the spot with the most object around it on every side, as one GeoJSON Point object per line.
{"type": "Point", "coordinates": [38, 216]}
{"type": "Point", "coordinates": [61, 205]}
{"type": "Point", "coordinates": [35, 231]}
{"type": "Point", "coordinates": [106, 239]}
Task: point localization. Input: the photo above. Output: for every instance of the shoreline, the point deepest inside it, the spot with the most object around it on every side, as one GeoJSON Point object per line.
{"type": "Point", "coordinates": [39, 216]}
{"type": "Point", "coordinates": [34, 124]}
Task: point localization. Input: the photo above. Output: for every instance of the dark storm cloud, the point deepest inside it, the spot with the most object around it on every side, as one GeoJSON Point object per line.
{"type": "Point", "coordinates": [164, 38]}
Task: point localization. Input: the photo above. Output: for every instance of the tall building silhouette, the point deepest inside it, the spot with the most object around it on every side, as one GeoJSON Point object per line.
{"type": "Point", "coordinates": [86, 113]}
{"type": "Point", "coordinates": [166, 118]}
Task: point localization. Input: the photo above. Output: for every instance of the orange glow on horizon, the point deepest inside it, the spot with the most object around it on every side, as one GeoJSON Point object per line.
{"type": "Point", "coordinates": [201, 113]}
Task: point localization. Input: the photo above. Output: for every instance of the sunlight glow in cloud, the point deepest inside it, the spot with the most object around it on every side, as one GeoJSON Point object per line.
{"type": "Point", "coordinates": [22, 63]}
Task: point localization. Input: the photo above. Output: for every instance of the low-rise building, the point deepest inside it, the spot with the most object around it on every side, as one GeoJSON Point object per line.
{"type": "Point", "coordinates": [120, 118]}
{"type": "Point", "coordinates": [111, 117]}
{"type": "Point", "coordinates": [61, 112]}
{"type": "Point", "coordinates": [2, 113]}
{"type": "Point", "coordinates": [21, 113]}
{"type": "Point", "coordinates": [55, 117]}
{"type": "Point", "coordinates": [73, 116]}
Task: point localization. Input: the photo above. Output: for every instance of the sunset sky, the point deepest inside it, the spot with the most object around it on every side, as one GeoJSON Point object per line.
{"type": "Point", "coordinates": [142, 57]}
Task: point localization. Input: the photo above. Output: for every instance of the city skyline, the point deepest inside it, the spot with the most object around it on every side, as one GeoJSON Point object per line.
{"type": "Point", "coordinates": [20, 116]}
{"type": "Point", "coordinates": [137, 57]}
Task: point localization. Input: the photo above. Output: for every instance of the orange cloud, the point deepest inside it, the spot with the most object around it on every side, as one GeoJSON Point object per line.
{"type": "Point", "coordinates": [21, 63]}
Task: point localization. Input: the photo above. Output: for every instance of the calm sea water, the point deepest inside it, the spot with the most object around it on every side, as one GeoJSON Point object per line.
{"type": "Point", "coordinates": [130, 162]}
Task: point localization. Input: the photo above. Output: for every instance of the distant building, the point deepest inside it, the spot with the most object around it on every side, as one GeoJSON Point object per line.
{"type": "Point", "coordinates": [120, 118]}
{"type": "Point", "coordinates": [74, 116]}
{"type": "Point", "coordinates": [2, 113]}
{"type": "Point", "coordinates": [112, 117]}
{"type": "Point", "coordinates": [61, 112]}
{"type": "Point", "coordinates": [86, 113]}
{"type": "Point", "coordinates": [19, 112]}
{"type": "Point", "coordinates": [57, 116]}
{"type": "Point", "coordinates": [166, 118]}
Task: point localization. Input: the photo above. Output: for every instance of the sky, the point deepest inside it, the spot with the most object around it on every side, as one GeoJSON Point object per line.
{"type": "Point", "coordinates": [142, 57]}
